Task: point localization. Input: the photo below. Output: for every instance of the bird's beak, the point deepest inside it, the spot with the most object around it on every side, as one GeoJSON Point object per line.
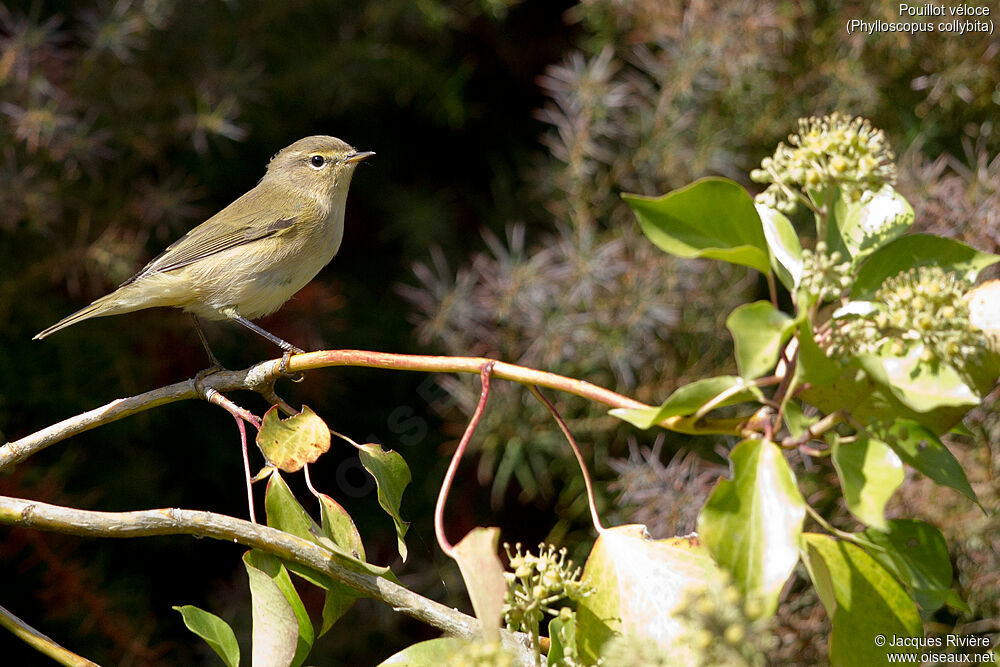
{"type": "Point", "coordinates": [358, 156]}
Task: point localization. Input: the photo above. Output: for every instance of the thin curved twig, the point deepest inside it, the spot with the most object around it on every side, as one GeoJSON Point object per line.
{"type": "Point", "coordinates": [442, 539]}
{"type": "Point", "coordinates": [240, 415]}
{"type": "Point", "coordinates": [591, 497]}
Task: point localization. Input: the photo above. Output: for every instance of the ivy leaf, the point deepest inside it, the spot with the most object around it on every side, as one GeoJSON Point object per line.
{"type": "Point", "coordinates": [484, 578]}
{"type": "Point", "coordinates": [285, 513]}
{"type": "Point", "coordinates": [862, 599]}
{"type": "Point", "coordinates": [864, 226]}
{"type": "Point", "coordinates": [919, 385]}
{"type": "Point", "coordinates": [216, 632]}
{"type": "Point", "coordinates": [713, 218]}
{"type": "Point", "coordinates": [760, 331]}
{"type": "Point", "coordinates": [920, 447]}
{"type": "Point", "coordinates": [916, 552]}
{"type": "Point", "coordinates": [291, 443]}
{"type": "Point", "coordinates": [783, 241]}
{"type": "Point", "coordinates": [869, 472]}
{"type": "Point", "coordinates": [637, 583]}
{"type": "Point", "coordinates": [428, 653]}
{"type": "Point", "coordinates": [391, 477]}
{"type": "Point", "coordinates": [340, 529]}
{"type": "Point", "coordinates": [337, 534]}
{"type": "Point", "coordinates": [916, 250]}
{"type": "Point", "coordinates": [689, 399]}
{"type": "Point", "coordinates": [282, 632]}
{"type": "Point", "coordinates": [752, 523]}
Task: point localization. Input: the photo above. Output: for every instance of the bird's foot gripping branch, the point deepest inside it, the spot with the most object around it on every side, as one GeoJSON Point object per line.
{"type": "Point", "coordinates": [887, 343]}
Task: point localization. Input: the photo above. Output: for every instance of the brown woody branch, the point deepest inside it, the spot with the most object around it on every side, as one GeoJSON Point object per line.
{"type": "Point", "coordinates": [145, 523]}
{"type": "Point", "coordinates": [261, 378]}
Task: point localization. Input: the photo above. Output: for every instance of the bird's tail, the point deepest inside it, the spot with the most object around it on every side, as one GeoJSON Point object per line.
{"type": "Point", "coordinates": [106, 305]}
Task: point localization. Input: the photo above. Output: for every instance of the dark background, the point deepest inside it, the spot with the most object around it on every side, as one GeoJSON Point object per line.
{"type": "Point", "coordinates": [123, 125]}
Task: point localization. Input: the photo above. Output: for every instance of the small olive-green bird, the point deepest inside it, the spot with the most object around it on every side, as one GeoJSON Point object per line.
{"type": "Point", "coordinates": [248, 259]}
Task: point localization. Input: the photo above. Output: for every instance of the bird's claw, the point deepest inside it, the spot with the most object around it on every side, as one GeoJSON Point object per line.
{"type": "Point", "coordinates": [199, 378]}
{"type": "Point", "coordinates": [283, 366]}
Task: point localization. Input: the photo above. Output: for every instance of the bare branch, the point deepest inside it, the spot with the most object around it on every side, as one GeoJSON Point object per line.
{"type": "Point", "coordinates": [40, 642]}
{"type": "Point", "coordinates": [42, 516]}
{"type": "Point", "coordinates": [222, 381]}
{"type": "Point", "coordinates": [261, 377]}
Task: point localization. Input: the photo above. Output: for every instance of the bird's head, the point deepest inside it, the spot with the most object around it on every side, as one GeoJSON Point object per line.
{"type": "Point", "coordinates": [320, 165]}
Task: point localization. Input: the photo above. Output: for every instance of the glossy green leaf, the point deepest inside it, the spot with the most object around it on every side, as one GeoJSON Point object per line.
{"type": "Point", "coordinates": [863, 600]}
{"type": "Point", "coordinates": [688, 399]}
{"type": "Point", "coordinates": [430, 653]}
{"type": "Point", "coordinates": [869, 472]}
{"type": "Point", "coordinates": [919, 385]}
{"type": "Point", "coordinates": [918, 250]}
{"type": "Point", "coordinates": [340, 529]}
{"type": "Point", "coordinates": [865, 226]}
{"type": "Point", "coordinates": [637, 583]}
{"type": "Point", "coordinates": [713, 218]}
{"type": "Point", "coordinates": [216, 632]}
{"type": "Point", "coordinates": [759, 331]}
{"type": "Point", "coordinates": [278, 638]}
{"type": "Point", "coordinates": [751, 523]}
{"type": "Point", "coordinates": [813, 366]}
{"type": "Point", "coordinates": [337, 534]}
{"type": "Point", "coordinates": [954, 601]}
{"type": "Point", "coordinates": [832, 386]}
{"type": "Point", "coordinates": [921, 448]}
{"type": "Point", "coordinates": [562, 637]}
{"type": "Point", "coordinates": [391, 477]}
{"type": "Point", "coordinates": [829, 385]}
{"type": "Point", "coordinates": [796, 420]}
{"type": "Point", "coordinates": [783, 242]}
{"type": "Point", "coordinates": [272, 566]}
{"type": "Point", "coordinates": [285, 513]}
{"type": "Point", "coordinates": [916, 552]}
{"type": "Point", "coordinates": [291, 443]}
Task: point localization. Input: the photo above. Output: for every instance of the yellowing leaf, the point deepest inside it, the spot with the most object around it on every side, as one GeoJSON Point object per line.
{"type": "Point", "coordinates": [638, 582]}
{"type": "Point", "coordinates": [483, 574]}
{"type": "Point", "coordinates": [291, 443]}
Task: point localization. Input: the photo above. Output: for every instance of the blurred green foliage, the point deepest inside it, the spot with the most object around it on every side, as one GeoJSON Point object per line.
{"type": "Point", "coordinates": [655, 95]}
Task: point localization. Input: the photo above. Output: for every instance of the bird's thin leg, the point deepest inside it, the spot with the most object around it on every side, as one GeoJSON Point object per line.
{"type": "Point", "coordinates": [204, 341]}
{"type": "Point", "coordinates": [283, 344]}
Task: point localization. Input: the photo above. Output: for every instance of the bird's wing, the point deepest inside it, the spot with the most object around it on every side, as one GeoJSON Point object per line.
{"type": "Point", "coordinates": [209, 238]}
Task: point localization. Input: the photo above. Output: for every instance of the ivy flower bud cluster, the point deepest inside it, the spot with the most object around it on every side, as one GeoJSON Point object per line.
{"type": "Point", "coordinates": [824, 275]}
{"type": "Point", "coordinates": [834, 150]}
{"type": "Point", "coordinates": [923, 305]}
{"type": "Point", "coordinates": [725, 628]}
{"type": "Point", "coordinates": [536, 583]}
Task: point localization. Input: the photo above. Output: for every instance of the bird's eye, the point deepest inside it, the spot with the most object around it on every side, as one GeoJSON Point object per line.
{"type": "Point", "coordinates": [317, 161]}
